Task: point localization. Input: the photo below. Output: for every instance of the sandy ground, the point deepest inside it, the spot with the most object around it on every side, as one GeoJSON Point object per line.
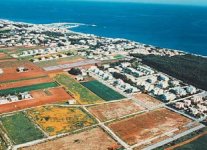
{"type": "Point", "coordinates": [94, 139]}
{"type": "Point", "coordinates": [10, 71]}
{"type": "Point", "coordinates": [147, 100]}
{"type": "Point", "coordinates": [114, 110]}
{"type": "Point", "coordinates": [149, 125]}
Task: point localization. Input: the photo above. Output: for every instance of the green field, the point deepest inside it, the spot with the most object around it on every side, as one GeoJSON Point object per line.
{"type": "Point", "coordinates": [20, 129]}
{"type": "Point", "coordinates": [79, 92]}
{"type": "Point", "coordinates": [28, 88]}
{"type": "Point", "coordinates": [199, 144]}
{"type": "Point", "coordinates": [102, 90]}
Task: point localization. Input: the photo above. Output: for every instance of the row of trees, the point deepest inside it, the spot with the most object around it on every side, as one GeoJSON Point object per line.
{"type": "Point", "coordinates": [188, 68]}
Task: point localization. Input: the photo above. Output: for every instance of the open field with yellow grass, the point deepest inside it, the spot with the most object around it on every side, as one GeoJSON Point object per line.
{"type": "Point", "coordinates": [56, 119]}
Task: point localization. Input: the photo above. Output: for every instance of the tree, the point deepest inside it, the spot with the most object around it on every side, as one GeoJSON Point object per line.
{"type": "Point", "coordinates": [75, 71]}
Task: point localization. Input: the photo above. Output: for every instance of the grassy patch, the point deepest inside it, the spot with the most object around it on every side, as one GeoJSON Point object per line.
{"type": "Point", "coordinates": [102, 90]}
{"type": "Point", "coordinates": [119, 56]}
{"type": "Point", "coordinates": [55, 119]}
{"type": "Point", "coordinates": [80, 93]}
{"type": "Point", "coordinates": [28, 88]}
{"type": "Point", "coordinates": [20, 129]}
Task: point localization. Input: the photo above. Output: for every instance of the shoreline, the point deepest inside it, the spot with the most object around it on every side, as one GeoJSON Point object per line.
{"type": "Point", "coordinates": [76, 25]}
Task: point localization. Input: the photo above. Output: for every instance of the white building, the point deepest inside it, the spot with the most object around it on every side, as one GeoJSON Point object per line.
{"type": "Point", "coordinates": [71, 102]}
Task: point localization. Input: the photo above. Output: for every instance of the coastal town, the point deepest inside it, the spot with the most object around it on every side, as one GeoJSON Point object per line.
{"type": "Point", "coordinates": [61, 89]}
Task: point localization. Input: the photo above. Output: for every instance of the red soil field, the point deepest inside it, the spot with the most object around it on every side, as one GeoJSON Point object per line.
{"type": "Point", "coordinates": [93, 139]}
{"type": "Point", "coordinates": [2, 55]}
{"type": "Point", "coordinates": [150, 127]}
{"type": "Point", "coordinates": [10, 72]}
{"type": "Point", "coordinates": [8, 59]}
{"type": "Point", "coordinates": [115, 110]}
{"type": "Point", "coordinates": [40, 97]}
{"type": "Point", "coordinates": [24, 83]}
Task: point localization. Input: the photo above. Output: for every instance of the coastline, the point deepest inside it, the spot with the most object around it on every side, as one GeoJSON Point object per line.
{"type": "Point", "coordinates": [64, 25]}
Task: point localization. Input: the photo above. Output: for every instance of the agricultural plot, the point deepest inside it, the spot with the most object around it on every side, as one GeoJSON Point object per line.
{"type": "Point", "coordinates": [87, 140]}
{"type": "Point", "coordinates": [149, 128]}
{"type": "Point", "coordinates": [28, 88]}
{"type": "Point", "coordinates": [55, 119]}
{"type": "Point", "coordinates": [20, 129]}
{"type": "Point", "coordinates": [114, 110]}
{"type": "Point", "coordinates": [11, 74]}
{"type": "Point", "coordinates": [102, 90]}
{"type": "Point", "coordinates": [79, 92]}
{"type": "Point", "coordinates": [25, 82]}
{"type": "Point", "coordinates": [39, 97]}
{"type": "Point", "coordinates": [147, 100]}
{"type": "Point", "coordinates": [60, 61]}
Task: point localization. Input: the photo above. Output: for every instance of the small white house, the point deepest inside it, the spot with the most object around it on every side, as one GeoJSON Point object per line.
{"type": "Point", "coordinates": [21, 69]}
{"type": "Point", "coordinates": [71, 102]}
{"type": "Point", "coordinates": [13, 98]}
{"type": "Point", "coordinates": [79, 78]}
{"type": "Point", "coordinates": [179, 105]}
{"type": "Point", "coordinates": [25, 95]}
{"type": "Point", "coordinates": [168, 96]}
{"type": "Point", "coordinates": [1, 71]}
{"type": "Point", "coordinates": [191, 89]}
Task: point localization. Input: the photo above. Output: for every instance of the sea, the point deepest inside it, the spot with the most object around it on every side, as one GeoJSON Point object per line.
{"type": "Point", "coordinates": [169, 26]}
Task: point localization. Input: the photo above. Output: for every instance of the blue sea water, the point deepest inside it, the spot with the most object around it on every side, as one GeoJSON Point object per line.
{"type": "Point", "coordinates": [169, 26]}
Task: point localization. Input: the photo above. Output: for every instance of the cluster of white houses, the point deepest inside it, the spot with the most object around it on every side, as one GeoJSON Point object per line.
{"type": "Point", "coordinates": [195, 106]}
{"type": "Point", "coordinates": [124, 68]}
{"type": "Point", "coordinates": [145, 79]}
{"type": "Point", "coordinates": [164, 87]}
{"type": "Point", "coordinates": [53, 50]}
{"type": "Point", "coordinates": [108, 77]}
{"type": "Point", "coordinates": [14, 98]}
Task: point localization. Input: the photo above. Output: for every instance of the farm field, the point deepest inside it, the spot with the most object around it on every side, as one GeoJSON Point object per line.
{"type": "Point", "coordinates": [79, 92]}
{"type": "Point", "coordinates": [114, 110]}
{"type": "Point", "coordinates": [20, 129]}
{"type": "Point", "coordinates": [150, 127]}
{"type": "Point", "coordinates": [102, 90]}
{"type": "Point", "coordinates": [11, 74]}
{"type": "Point", "coordinates": [147, 100]}
{"type": "Point", "coordinates": [56, 119]}
{"type": "Point", "coordinates": [40, 97]}
{"type": "Point", "coordinates": [60, 61]}
{"type": "Point", "coordinates": [92, 138]}
{"type": "Point", "coordinates": [28, 88]}
{"type": "Point", "coordinates": [24, 83]}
